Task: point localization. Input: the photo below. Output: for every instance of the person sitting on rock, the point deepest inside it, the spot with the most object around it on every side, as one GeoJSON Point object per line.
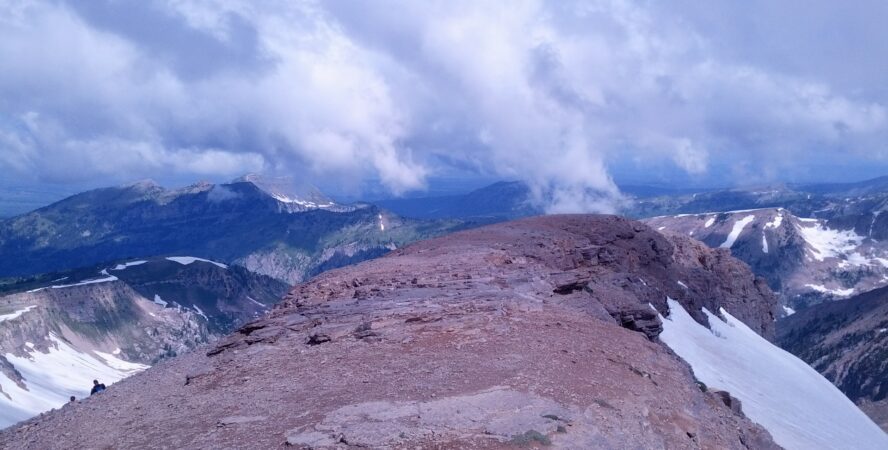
{"type": "Point", "coordinates": [97, 387]}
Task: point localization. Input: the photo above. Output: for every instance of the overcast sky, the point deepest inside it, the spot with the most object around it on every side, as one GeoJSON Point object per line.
{"type": "Point", "coordinates": [567, 96]}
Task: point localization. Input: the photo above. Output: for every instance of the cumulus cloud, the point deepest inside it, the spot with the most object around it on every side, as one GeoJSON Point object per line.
{"type": "Point", "coordinates": [551, 93]}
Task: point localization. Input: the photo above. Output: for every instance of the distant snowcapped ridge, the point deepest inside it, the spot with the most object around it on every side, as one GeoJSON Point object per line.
{"type": "Point", "coordinates": [802, 257]}
{"type": "Point", "coordinates": [292, 195]}
{"type": "Point", "coordinates": [288, 190]}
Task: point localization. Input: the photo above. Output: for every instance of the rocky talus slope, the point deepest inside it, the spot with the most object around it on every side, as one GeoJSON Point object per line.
{"type": "Point", "coordinates": [524, 334]}
{"type": "Point", "coordinates": [847, 341]}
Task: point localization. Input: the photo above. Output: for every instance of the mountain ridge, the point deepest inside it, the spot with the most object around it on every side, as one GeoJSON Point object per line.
{"type": "Point", "coordinates": [238, 223]}
{"type": "Point", "coordinates": [522, 332]}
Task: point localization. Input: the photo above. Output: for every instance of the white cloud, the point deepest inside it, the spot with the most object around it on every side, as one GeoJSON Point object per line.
{"type": "Point", "coordinates": [689, 157]}
{"type": "Point", "coordinates": [548, 92]}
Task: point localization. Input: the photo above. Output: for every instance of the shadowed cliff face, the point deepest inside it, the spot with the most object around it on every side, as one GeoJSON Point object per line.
{"type": "Point", "coordinates": [534, 332]}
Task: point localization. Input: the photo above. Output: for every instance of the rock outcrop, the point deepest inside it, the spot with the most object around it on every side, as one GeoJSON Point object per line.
{"type": "Point", "coordinates": [529, 333]}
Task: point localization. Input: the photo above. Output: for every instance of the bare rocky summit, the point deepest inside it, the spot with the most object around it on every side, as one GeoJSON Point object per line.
{"type": "Point", "coordinates": [532, 333]}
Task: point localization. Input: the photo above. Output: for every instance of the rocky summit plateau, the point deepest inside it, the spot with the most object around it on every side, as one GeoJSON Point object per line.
{"type": "Point", "coordinates": [561, 331]}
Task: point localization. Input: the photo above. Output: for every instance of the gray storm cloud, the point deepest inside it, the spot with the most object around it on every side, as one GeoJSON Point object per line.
{"type": "Point", "coordinates": [552, 93]}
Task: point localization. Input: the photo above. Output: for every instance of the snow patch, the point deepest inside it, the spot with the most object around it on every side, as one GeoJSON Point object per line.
{"type": "Point", "coordinates": [128, 264]}
{"type": "Point", "coordinates": [84, 283]}
{"type": "Point", "coordinates": [764, 242]}
{"type": "Point", "coordinates": [709, 222]}
{"type": "Point", "coordinates": [776, 221]}
{"type": "Point", "coordinates": [800, 408]}
{"type": "Point", "coordinates": [160, 301]}
{"type": "Point", "coordinates": [16, 314]}
{"type": "Point", "coordinates": [52, 377]}
{"type": "Point", "coordinates": [828, 243]}
{"type": "Point", "coordinates": [824, 290]}
{"type": "Point", "coordinates": [682, 284]}
{"type": "Point", "coordinates": [735, 232]}
{"type": "Point", "coordinates": [258, 303]}
{"type": "Point", "coordinates": [305, 203]}
{"type": "Point", "coordinates": [707, 213]}
{"type": "Point", "coordinates": [789, 311]}
{"type": "Point", "coordinates": [856, 259]}
{"type": "Point", "coordinates": [201, 313]}
{"type": "Point", "coordinates": [186, 260]}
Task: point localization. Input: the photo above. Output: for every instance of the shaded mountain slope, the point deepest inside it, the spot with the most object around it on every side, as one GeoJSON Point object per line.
{"type": "Point", "coordinates": [529, 333]}
{"type": "Point", "coordinates": [260, 224]}
{"type": "Point", "coordinates": [60, 331]}
{"type": "Point", "coordinates": [847, 341]}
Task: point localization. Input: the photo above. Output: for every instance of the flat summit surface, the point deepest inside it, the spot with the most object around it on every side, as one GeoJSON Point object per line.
{"type": "Point", "coordinates": [533, 333]}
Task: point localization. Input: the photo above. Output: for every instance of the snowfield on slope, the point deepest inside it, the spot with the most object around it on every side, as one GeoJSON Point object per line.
{"type": "Point", "coordinates": [827, 242]}
{"type": "Point", "coordinates": [186, 260]}
{"type": "Point", "coordinates": [824, 290]}
{"type": "Point", "coordinates": [800, 408]}
{"type": "Point", "coordinates": [16, 314]}
{"type": "Point", "coordinates": [129, 264]}
{"type": "Point", "coordinates": [52, 378]}
{"type": "Point", "coordinates": [106, 279]}
{"type": "Point", "coordinates": [735, 232]}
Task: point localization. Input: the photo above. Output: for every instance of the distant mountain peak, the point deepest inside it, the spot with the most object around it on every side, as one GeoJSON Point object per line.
{"type": "Point", "coordinates": [146, 185]}
{"type": "Point", "coordinates": [288, 191]}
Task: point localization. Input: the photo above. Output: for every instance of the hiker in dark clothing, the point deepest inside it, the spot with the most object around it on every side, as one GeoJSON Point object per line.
{"type": "Point", "coordinates": [97, 387]}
